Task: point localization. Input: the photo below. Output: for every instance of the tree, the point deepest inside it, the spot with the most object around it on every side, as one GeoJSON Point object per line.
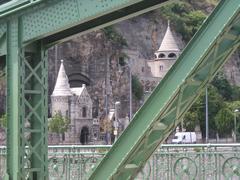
{"type": "Point", "coordinates": [224, 121]}
{"type": "Point", "coordinates": [137, 88]}
{"type": "Point", "coordinates": [196, 114]}
{"type": "Point", "coordinates": [58, 124]}
{"type": "Point", "coordinates": [3, 121]}
{"type": "Point", "coordinates": [190, 120]}
{"type": "Point", "coordinates": [184, 18]}
{"type": "Point", "coordinates": [224, 87]}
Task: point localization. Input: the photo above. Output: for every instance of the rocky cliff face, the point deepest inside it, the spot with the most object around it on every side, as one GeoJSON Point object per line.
{"type": "Point", "coordinates": [97, 56]}
{"type": "Point", "coordinates": [93, 60]}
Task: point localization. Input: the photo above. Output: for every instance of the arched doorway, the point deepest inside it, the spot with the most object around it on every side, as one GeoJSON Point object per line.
{"type": "Point", "coordinates": [84, 135]}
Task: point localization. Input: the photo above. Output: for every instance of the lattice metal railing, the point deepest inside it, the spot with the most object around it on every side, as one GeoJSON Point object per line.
{"type": "Point", "coordinates": [170, 162]}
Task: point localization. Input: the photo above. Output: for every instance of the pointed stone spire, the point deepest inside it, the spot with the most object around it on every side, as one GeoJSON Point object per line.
{"type": "Point", "coordinates": [168, 42]}
{"type": "Point", "coordinates": [168, 47]}
{"type": "Point", "coordinates": [62, 87]}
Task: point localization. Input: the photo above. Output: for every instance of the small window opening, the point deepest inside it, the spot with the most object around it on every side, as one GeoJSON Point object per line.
{"type": "Point", "coordinates": [84, 112]}
{"type": "Point", "coordinates": [161, 55]}
{"type": "Point", "coordinates": [172, 55]}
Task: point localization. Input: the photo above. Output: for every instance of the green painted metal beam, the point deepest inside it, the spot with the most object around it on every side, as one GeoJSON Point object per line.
{"type": "Point", "coordinates": [217, 39]}
{"type": "Point", "coordinates": [26, 108]}
{"type": "Point", "coordinates": [13, 100]}
{"type": "Point", "coordinates": [55, 20]}
{"type": "Point", "coordinates": [23, 24]}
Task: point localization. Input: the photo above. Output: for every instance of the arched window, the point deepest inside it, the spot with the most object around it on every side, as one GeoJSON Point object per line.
{"type": "Point", "coordinates": [84, 112]}
{"type": "Point", "coordinates": [155, 56]}
{"type": "Point", "coordinates": [161, 55]}
{"type": "Point", "coordinates": [172, 55]}
{"type": "Point", "coordinates": [84, 135]}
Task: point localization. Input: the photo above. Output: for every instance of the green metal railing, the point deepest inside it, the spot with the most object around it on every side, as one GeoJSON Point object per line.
{"type": "Point", "coordinates": [169, 162]}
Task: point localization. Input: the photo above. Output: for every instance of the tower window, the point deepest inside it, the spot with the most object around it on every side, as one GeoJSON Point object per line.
{"type": "Point", "coordinates": [161, 55]}
{"type": "Point", "coordinates": [84, 112]}
{"type": "Point", "coordinates": [142, 69]}
{"type": "Point", "coordinates": [172, 55]}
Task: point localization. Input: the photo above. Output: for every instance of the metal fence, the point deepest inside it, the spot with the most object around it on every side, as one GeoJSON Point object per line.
{"type": "Point", "coordinates": [169, 162]}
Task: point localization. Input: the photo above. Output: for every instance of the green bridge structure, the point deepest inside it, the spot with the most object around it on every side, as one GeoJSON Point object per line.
{"type": "Point", "coordinates": [29, 27]}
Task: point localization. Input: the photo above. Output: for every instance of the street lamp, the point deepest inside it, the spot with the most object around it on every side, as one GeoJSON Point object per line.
{"type": "Point", "coordinates": [235, 124]}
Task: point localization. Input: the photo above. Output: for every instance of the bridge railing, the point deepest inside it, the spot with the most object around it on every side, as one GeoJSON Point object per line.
{"type": "Point", "coordinates": [182, 161]}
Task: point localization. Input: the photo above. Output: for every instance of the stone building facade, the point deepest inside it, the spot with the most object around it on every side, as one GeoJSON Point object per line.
{"type": "Point", "coordinates": [75, 104]}
{"type": "Point", "coordinates": [151, 72]}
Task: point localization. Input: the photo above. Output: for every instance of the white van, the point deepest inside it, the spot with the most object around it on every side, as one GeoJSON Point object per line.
{"type": "Point", "coordinates": [184, 137]}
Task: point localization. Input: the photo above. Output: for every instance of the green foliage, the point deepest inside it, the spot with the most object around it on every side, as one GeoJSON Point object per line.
{"type": "Point", "coordinates": [58, 123]}
{"type": "Point", "coordinates": [137, 88]}
{"type": "Point", "coordinates": [233, 105]}
{"type": "Point", "coordinates": [3, 121]}
{"type": "Point", "coordinates": [190, 120]}
{"type": "Point", "coordinates": [196, 114]}
{"type": "Point", "coordinates": [224, 120]}
{"type": "Point", "coordinates": [114, 36]}
{"type": "Point", "coordinates": [184, 18]}
{"type": "Point", "coordinates": [227, 91]}
{"type": "Point", "coordinates": [222, 101]}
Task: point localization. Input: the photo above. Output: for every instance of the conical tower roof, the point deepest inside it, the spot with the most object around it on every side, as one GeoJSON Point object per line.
{"type": "Point", "coordinates": [168, 42]}
{"type": "Point", "coordinates": [62, 87]}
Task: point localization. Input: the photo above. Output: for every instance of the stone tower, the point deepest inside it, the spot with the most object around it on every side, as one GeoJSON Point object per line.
{"type": "Point", "coordinates": [165, 56]}
{"type": "Point", "coordinates": [75, 104]}
{"type": "Point", "coordinates": [61, 95]}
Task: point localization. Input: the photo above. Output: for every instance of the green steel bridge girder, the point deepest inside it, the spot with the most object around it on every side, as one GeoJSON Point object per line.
{"type": "Point", "coordinates": [27, 29]}
{"type": "Point", "coordinates": [213, 44]}
{"type": "Point", "coordinates": [55, 20]}
{"type": "Point", "coordinates": [26, 107]}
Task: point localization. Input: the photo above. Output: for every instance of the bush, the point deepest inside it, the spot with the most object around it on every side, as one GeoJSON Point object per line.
{"type": "Point", "coordinates": [114, 36]}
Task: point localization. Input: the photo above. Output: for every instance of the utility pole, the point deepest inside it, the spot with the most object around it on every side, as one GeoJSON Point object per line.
{"type": "Point", "coordinates": [206, 100]}
{"type": "Point", "coordinates": [130, 92]}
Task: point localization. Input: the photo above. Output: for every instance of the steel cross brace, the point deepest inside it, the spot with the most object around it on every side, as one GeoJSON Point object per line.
{"type": "Point", "coordinates": [26, 107]}
{"type": "Point", "coordinates": [217, 39]}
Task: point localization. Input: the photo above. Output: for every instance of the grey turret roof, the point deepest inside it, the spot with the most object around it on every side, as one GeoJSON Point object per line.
{"type": "Point", "coordinates": [62, 87]}
{"type": "Point", "coordinates": [168, 42]}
